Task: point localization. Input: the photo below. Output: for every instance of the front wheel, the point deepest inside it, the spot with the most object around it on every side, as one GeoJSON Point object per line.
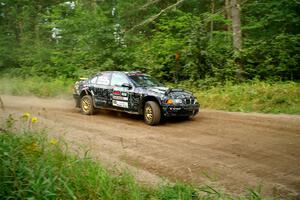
{"type": "Point", "coordinates": [152, 113]}
{"type": "Point", "coordinates": [86, 105]}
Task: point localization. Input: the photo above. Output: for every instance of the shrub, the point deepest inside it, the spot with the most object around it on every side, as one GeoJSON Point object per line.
{"type": "Point", "coordinates": [256, 96]}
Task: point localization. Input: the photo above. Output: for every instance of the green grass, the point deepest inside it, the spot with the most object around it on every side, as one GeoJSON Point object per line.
{"type": "Point", "coordinates": [38, 86]}
{"type": "Point", "coordinates": [278, 97]}
{"type": "Point", "coordinates": [34, 166]}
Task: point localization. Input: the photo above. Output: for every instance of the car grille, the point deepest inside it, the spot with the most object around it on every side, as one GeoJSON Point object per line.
{"type": "Point", "coordinates": [189, 101]}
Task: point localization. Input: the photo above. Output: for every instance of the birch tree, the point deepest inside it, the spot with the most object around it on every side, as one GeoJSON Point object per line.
{"type": "Point", "coordinates": [236, 25]}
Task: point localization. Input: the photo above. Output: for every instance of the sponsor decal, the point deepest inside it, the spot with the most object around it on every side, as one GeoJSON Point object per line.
{"type": "Point", "coordinates": [116, 92]}
{"type": "Point", "coordinates": [124, 94]}
{"type": "Point", "coordinates": [103, 80]}
{"type": "Point", "coordinates": [120, 98]}
{"type": "Point", "coordinates": [122, 104]}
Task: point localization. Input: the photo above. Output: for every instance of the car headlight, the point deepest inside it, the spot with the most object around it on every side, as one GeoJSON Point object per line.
{"type": "Point", "coordinates": [195, 101]}
{"type": "Point", "coordinates": [169, 101]}
{"type": "Point", "coordinates": [174, 101]}
{"type": "Point", "coordinates": [178, 101]}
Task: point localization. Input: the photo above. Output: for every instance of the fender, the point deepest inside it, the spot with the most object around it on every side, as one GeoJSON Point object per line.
{"type": "Point", "coordinates": [148, 98]}
{"type": "Point", "coordinates": [86, 91]}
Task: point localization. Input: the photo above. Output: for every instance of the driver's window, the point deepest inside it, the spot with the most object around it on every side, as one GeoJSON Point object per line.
{"type": "Point", "coordinates": [118, 79]}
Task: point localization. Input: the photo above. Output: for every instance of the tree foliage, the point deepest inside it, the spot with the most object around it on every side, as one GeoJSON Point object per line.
{"type": "Point", "coordinates": [73, 38]}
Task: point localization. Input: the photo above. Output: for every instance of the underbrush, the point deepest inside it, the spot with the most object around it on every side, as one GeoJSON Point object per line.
{"type": "Point", "coordinates": [36, 166]}
{"type": "Point", "coordinates": [278, 97]}
{"type": "Point", "coordinates": [38, 86]}
{"type": "Point", "coordinates": [255, 96]}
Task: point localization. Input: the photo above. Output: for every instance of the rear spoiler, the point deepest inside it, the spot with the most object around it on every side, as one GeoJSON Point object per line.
{"type": "Point", "coordinates": [80, 79]}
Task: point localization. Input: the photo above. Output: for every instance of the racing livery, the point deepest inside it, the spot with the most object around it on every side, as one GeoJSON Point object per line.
{"type": "Point", "coordinates": [133, 92]}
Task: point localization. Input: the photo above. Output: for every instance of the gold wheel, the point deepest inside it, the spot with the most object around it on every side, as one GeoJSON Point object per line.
{"type": "Point", "coordinates": [152, 113]}
{"type": "Point", "coordinates": [149, 114]}
{"type": "Point", "coordinates": [86, 105]}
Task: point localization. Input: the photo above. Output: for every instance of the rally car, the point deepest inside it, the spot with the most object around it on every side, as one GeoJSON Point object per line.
{"type": "Point", "coordinates": [133, 92]}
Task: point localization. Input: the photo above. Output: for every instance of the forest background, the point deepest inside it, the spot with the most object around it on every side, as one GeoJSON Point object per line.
{"type": "Point", "coordinates": [235, 55]}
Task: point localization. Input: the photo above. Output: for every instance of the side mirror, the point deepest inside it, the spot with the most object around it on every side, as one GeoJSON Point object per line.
{"type": "Point", "coordinates": [128, 85]}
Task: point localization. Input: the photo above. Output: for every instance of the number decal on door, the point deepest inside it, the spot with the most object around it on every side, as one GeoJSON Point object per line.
{"type": "Point", "coordinates": [120, 98]}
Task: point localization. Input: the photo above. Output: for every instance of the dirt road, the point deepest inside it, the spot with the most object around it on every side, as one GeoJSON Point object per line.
{"type": "Point", "coordinates": [232, 151]}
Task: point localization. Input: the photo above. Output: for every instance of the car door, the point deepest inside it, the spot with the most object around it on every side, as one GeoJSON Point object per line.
{"type": "Point", "coordinates": [102, 90]}
{"type": "Point", "coordinates": [121, 91]}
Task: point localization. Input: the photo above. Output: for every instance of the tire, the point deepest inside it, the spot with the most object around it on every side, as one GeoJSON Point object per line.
{"type": "Point", "coordinates": [86, 105]}
{"type": "Point", "coordinates": [152, 113]}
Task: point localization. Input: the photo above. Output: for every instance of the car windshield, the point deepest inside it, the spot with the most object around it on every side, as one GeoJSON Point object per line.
{"type": "Point", "coordinates": [144, 80]}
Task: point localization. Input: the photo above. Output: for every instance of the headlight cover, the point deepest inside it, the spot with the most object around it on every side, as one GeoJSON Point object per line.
{"type": "Point", "coordinates": [178, 101]}
{"type": "Point", "coordinates": [170, 101]}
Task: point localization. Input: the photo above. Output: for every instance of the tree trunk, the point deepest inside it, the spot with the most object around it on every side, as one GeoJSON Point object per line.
{"type": "Point", "coordinates": [228, 13]}
{"type": "Point", "coordinates": [36, 24]}
{"type": "Point", "coordinates": [93, 4]}
{"type": "Point", "coordinates": [236, 25]}
{"type": "Point", "coordinates": [1, 104]}
{"type": "Point", "coordinates": [19, 23]}
{"type": "Point", "coordinates": [212, 4]}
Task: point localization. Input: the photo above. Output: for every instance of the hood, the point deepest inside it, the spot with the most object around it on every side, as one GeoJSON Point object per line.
{"type": "Point", "coordinates": [175, 93]}
{"type": "Point", "coordinates": [160, 90]}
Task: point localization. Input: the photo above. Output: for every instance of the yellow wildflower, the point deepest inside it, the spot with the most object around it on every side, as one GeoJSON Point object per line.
{"type": "Point", "coordinates": [26, 116]}
{"type": "Point", "coordinates": [33, 147]}
{"type": "Point", "coordinates": [34, 120]}
{"type": "Point", "coordinates": [53, 141]}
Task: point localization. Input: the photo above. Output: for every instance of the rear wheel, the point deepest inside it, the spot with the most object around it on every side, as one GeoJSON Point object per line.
{"type": "Point", "coordinates": [86, 105]}
{"type": "Point", "coordinates": [152, 113]}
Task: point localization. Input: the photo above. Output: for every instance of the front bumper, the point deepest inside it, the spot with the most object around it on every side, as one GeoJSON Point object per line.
{"type": "Point", "coordinates": [180, 110]}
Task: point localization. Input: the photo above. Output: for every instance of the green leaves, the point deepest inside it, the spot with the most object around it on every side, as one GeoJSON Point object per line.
{"type": "Point", "coordinates": [52, 38]}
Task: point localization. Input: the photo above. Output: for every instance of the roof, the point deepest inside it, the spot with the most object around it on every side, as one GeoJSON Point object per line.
{"type": "Point", "coordinates": [125, 72]}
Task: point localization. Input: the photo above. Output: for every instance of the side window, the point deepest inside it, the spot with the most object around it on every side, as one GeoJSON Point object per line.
{"type": "Point", "coordinates": [118, 79]}
{"type": "Point", "coordinates": [103, 79]}
{"type": "Point", "coordinates": [93, 80]}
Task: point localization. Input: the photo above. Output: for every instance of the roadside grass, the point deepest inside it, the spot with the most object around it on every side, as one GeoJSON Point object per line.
{"type": "Point", "coordinates": [35, 166]}
{"type": "Point", "coordinates": [256, 96]}
{"type": "Point", "coordinates": [38, 86]}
